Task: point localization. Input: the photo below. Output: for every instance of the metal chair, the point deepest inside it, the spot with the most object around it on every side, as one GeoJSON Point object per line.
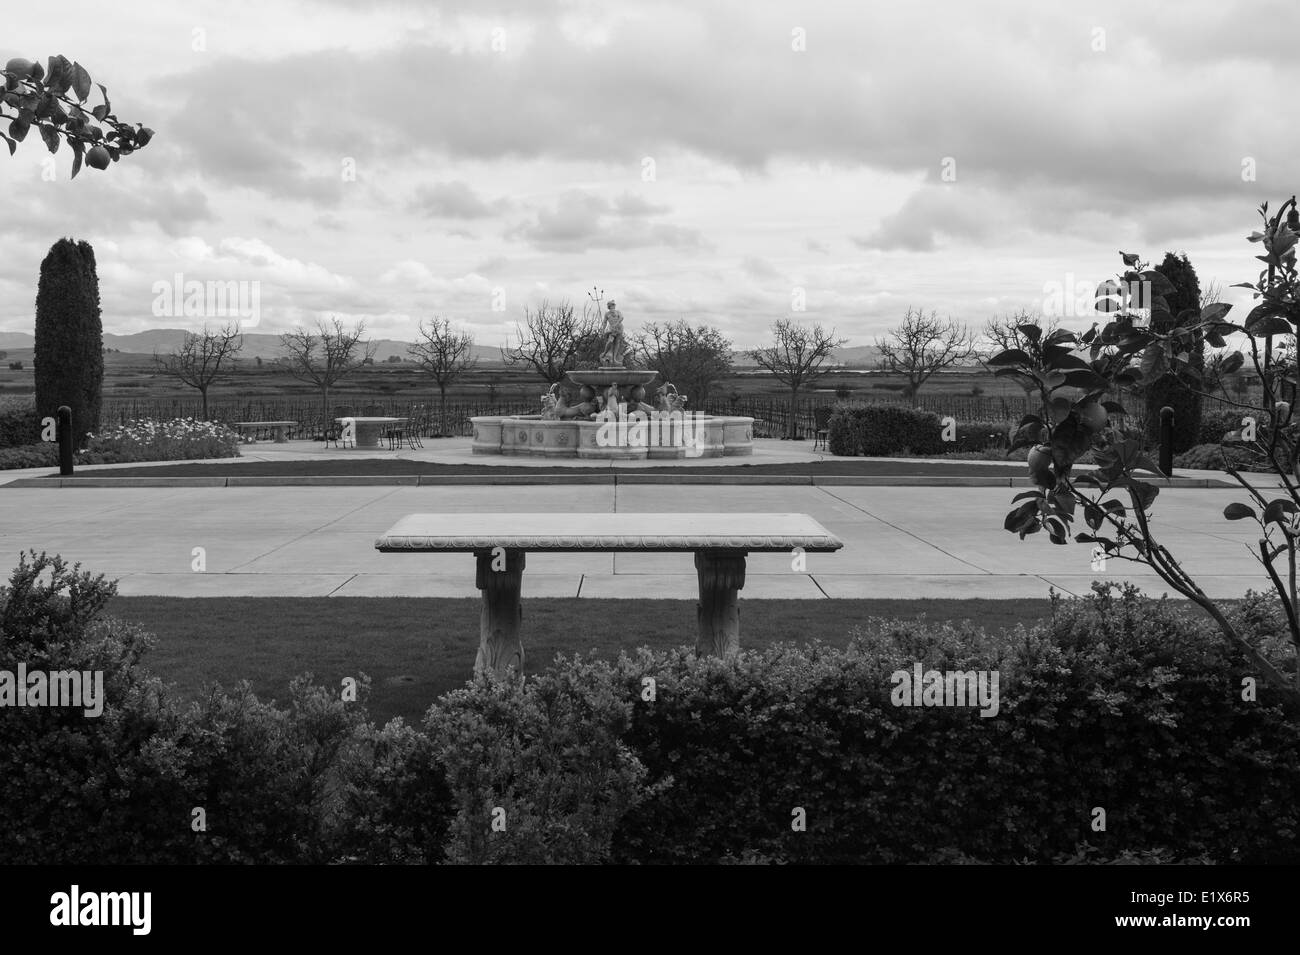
{"type": "Point", "coordinates": [821, 427]}
{"type": "Point", "coordinates": [335, 432]}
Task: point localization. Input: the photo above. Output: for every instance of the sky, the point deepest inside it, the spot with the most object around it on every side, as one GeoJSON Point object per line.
{"type": "Point", "coordinates": [730, 163]}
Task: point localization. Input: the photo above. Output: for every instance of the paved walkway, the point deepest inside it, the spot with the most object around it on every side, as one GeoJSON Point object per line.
{"type": "Point", "coordinates": [907, 542]}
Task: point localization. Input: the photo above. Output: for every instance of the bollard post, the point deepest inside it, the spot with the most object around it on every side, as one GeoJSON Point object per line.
{"type": "Point", "coordinates": [1167, 441]}
{"type": "Point", "coordinates": [64, 435]}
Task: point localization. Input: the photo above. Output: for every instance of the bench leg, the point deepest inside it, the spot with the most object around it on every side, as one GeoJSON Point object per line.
{"type": "Point", "coordinates": [499, 577]}
{"type": "Point", "coordinates": [722, 576]}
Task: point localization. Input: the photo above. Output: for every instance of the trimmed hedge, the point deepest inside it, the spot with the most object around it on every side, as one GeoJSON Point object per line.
{"type": "Point", "coordinates": [29, 456]}
{"type": "Point", "coordinates": [882, 430]}
{"type": "Point", "coordinates": [19, 426]}
{"type": "Point", "coordinates": [1116, 701]}
{"type": "Point", "coordinates": [1120, 703]}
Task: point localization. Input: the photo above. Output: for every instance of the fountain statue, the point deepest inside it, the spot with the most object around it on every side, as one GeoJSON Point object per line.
{"type": "Point", "coordinates": [614, 351]}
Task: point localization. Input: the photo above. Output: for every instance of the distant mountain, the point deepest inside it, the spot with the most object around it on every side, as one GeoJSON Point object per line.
{"type": "Point", "coordinates": [164, 340]}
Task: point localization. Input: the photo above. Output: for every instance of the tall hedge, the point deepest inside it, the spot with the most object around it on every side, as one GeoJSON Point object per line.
{"type": "Point", "coordinates": [69, 353]}
{"type": "Point", "coordinates": [1172, 390]}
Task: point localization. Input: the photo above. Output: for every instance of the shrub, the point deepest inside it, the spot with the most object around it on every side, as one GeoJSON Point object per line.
{"type": "Point", "coordinates": [1117, 702]}
{"type": "Point", "coordinates": [29, 456]}
{"type": "Point", "coordinates": [121, 787]}
{"type": "Point", "coordinates": [175, 440]}
{"type": "Point", "coordinates": [1215, 424]}
{"type": "Point", "coordinates": [981, 436]}
{"type": "Point", "coordinates": [1211, 457]}
{"type": "Point", "coordinates": [882, 430]}
{"type": "Point", "coordinates": [547, 754]}
{"type": "Point", "coordinates": [19, 424]}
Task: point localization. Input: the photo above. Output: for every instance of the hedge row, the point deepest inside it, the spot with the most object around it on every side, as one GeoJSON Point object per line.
{"type": "Point", "coordinates": [883, 430]}
{"type": "Point", "coordinates": [1118, 702]}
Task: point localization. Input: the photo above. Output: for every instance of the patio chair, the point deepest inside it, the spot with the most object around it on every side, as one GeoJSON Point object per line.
{"type": "Point", "coordinates": [821, 427]}
{"type": "Point", "coordinates": [334, 432]}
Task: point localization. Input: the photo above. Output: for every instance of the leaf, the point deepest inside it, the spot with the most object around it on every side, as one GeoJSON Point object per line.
{"type": "Point", "coordinates": [1154, 362]}
{"type": "Point", "coordinates": [77, 150]}
{"type": "Point", "coordinates": [1216, 310]}
{"type": "Point", "coordinates": [1263, 321]}
{"type": "Point", "coordinates": [1025, 514]}
{"type": "Point", "coordinates": [1114, 407]}
{"type": "Point", "coordinates": [1094, 515]}
{"type": "Point", "coordinates": [1237, 511]}
{"type": "Point", "coordinates": [1085, 378]}
{"type": "Point", "coordinates": [1277, 510]}
{"type": "Point", "coordinates": [1130, 258]}
{"type": "Point", "coordinates": [1144, 463]}
{"type": "Point", "coordinates": [80, 81]}
{"type": "Point", "coordinates": [51, 137]}
{"type": "Point", "coordinates": [1145, 493]}
{"type": "Point", "coordinates": [18, 129]}
{"type": "Point", "coordinates": [1160, 284]}
{"type": "Point", "coordinates": [1012, 356]}
{"type": "Point", "coordinates": [1027, 494]}
{"type": "Point", "coordinates": [1056, 529]}
{"type": "Point", "coordinates": [13, 146]}
{"type": "Point", "coordinates": [1232, 363]}
{"type": "Point", "coordinates": [1032, 332]}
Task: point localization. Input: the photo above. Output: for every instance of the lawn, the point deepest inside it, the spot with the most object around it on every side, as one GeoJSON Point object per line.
{"type": "Point", "coordinates": [360, 466]}
{"type": "Point", "coordinates": [417, 648]}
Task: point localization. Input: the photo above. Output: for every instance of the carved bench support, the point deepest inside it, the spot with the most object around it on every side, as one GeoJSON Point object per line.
{"type": "Point", "coordinates": [722, 576]}
{"type": "Point", "coordinates": [500, 578]}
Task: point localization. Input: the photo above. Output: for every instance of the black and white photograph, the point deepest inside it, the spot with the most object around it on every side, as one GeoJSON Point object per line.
{"type": "Point", "coordinates": [683, 433]}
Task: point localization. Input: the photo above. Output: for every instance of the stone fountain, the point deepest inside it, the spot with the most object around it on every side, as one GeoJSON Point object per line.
{"type": "Point", "coordinates": [610, 417]}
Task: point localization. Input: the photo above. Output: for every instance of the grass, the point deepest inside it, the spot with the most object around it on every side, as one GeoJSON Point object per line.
{"type": "Point", "coordinates": [415, 649]}
{"type": "Point", "coordinates": [334, 467]}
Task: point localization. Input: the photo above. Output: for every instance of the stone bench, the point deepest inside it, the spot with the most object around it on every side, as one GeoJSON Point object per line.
{"type": "Point", "coordinates": [280, 428]}
{"type": "Point", "coordinates": [499, 543]}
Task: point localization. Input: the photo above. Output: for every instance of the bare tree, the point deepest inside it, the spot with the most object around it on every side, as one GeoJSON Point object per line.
{"type": "Point", "coordinates": [324, 355]}
{"type": "Point", "coordinates": [795, 359]}
{"type": "Point", "coordinates": [554, 340]}
{"type": "Point", "coordinates": [1212, 293]}
{"type": "Point", "coordinates": [445, 354]}
{"type": "Point", "coordinates": [1005, 332]}
{"type": "Point", "coordinates": [693, 358]}
{"type": "Point", "coordinates": [199, 360]}
{"type": "Point", "coordinates": [922, 346]}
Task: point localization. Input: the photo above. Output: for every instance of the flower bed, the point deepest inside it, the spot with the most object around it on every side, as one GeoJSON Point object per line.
{"type": "Point", "coordinates": [181, 439]}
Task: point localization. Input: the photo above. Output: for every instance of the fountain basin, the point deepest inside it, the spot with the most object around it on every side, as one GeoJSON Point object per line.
{"type": "Point", "coordinates": [668, 436]}
{"type": "Point", "coordinates": [600, 378]}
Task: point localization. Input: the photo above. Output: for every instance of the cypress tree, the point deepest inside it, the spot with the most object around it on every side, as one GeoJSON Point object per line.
{"type": "Point", "coordinates": [1171, 390]}
{"type": "Point", "coordinates": [69, 351]}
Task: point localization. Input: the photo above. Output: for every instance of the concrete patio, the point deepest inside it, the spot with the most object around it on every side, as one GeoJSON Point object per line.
{"type": "Point", "coordinates": [905, 542]}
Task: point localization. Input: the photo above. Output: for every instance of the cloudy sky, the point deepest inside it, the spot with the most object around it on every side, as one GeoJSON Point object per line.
{"type": "Point", "coordinates": [719, 161]}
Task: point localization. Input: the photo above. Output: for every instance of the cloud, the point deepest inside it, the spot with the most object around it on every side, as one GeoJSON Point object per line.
{"type": "Point", "coordinates": [453, 200]}
{"type": "Point", "coordinates": [580, 220]}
